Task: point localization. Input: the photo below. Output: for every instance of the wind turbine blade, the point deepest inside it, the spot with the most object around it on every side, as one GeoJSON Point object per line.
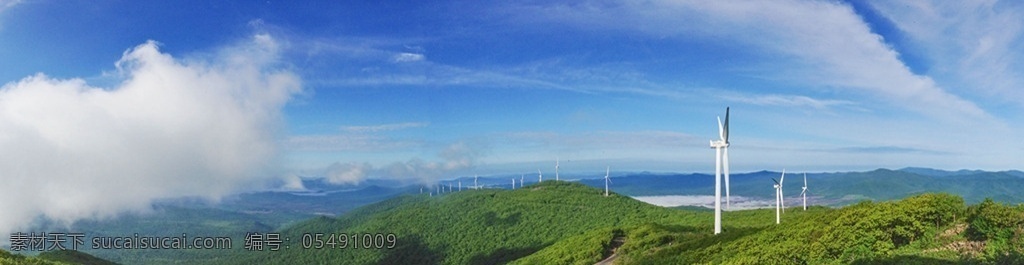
{"type": "Point", "coordinates": [725, 135]}
{"type": "Point", "coordinates": [725, 167]}
{"type": "Point", "coordinates": [721, 133]}
{"type": "Point", "coordinates": [776, 181]}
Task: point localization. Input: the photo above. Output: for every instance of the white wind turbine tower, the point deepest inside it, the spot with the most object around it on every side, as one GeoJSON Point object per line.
{"type": "Point", "coordinates": [556, 168]}
{"type": "Point", "coordinates": [476, 186]}
{"type": "Point", "coordinates": [513, 183]}
{"type": "Point", "coordinates": [606, 180]}
{"type": "Point", "coordinates": [721, 161]}
{"type": "Point", "coordinates": [779, 204]}
{"type": "Point", "coordinates": [804, 192]}
{"type": "Point", "coordinates": [460, 185]}
{"type": "Point", "coordinates": [540, 176]}
{"type": "Point", "coordinates": [521, 180]}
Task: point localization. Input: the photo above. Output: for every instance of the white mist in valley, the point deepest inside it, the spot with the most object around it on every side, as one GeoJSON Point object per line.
{"type": "Point", "coordinates": [708, 201]}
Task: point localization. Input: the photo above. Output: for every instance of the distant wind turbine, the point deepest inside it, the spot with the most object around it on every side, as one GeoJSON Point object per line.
{"type": "Point", "coordinates": [804, 192]}
{"type": "Point", "coordinates": [556, 168]}
{"type": "Point", "coordinates": [779, 204]}
{"type": "Point", "coordinates": [521, 180]}
{"type": "Point", "coordinates": [606, 180]}
{"type": "Point", "coordinates": [721, 161]}
{"type": "Point", "coordinates": [540, 176]}
{"type": "Point", "coordinates": [476, 186]}
{"type": "Point", "coordinates": [513, 183]}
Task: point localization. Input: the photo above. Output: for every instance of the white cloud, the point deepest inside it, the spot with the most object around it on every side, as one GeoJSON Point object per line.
{"type": "Point", "coordinates": [406, 57]}
{"type": "Point", "coordinates": [347, 173]}
{"type": "Point", "coordinates": [205, 127]}
{"type": "Point", "coordinates": [293, 182]}
{"type": "Point", "coordinates": [455, 158]}
{"type": "Point", "coordinates": [974, 44]}
{"type": "Point", "coordinates": [817, 43]}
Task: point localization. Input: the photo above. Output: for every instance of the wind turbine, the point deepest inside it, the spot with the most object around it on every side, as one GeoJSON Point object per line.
{"type": "Point", "coordinates": [460, 185]}
{"type": "Point", "coordinates": [513, 183]}
{"type": "Point", "coordinates": [804, 192]}
{"type": "Point", "coordinates": [540, 176]}
{"type": "Point", "coordinates": [779, 204]}
{"type": "Point", "coordinates": [721, 161]}
{"type": "Point", "coordinates": [606, 180]}
{"type": "Point", "coordinates": [476, 186]}
{"type": "Point", "coordinates": [556, 168]}
{"type": "Point", "coordinates": [521, 180]}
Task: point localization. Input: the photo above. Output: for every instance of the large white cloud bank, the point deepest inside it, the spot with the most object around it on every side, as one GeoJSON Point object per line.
{"type": "Point", "coordinates": [205, 127]}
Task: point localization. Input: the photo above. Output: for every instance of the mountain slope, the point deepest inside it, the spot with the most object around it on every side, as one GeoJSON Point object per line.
{"type": "Point", "coordinates": [57, 257]}
{"type": "Point", "coordinates": [569, 223]}
{"type": "Point", "coordinates": [478, 226]}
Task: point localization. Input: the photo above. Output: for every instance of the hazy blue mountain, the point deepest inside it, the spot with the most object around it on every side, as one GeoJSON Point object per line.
{"type": "Point", "coordinates": [838, 188]}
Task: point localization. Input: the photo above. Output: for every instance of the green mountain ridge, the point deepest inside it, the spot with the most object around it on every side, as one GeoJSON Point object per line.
{"type": "Point", "coordinates": [56, 257]}
{"type": "Point", "coordinates": [570, 223]}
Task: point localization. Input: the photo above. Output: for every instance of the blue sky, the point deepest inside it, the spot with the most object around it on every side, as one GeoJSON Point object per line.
{"type": "Point", "coordinates": [431, 90]}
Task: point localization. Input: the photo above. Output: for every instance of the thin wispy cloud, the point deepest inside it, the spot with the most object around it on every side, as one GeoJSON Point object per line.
{"type": "Point", "coordinates": [787, 101]}
{"type": "Point", "coordinates": [348, 143]}
{"type": "Point", "coordinates": [452, 160]}
{"type": "Point", "coordinates": [885, 150]}
{"type": "Point", "coordinates": [6, 4]}
{"type": "Point", "coordinates": [974, 44]}
{"type": "Point", "coordinates": [826, 44]}
{"type": "Point", "coordinates": [357, 138]}
{"type": "Point", "coordinates": [383, 127]}
{"type": "Point", "coordinates": [406, 57]}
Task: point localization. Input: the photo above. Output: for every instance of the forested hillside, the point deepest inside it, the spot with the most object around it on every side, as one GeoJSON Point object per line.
{"type": "Point", "coordinates": [58, 257]}
{"type": "Point", "coordinates": [569, 223]}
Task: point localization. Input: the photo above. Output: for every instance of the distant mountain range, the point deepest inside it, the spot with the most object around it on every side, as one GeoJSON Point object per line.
{"type": "Point", "coordinates": [835, 189]}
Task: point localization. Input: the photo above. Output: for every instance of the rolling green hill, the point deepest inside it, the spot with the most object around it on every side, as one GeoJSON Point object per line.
{"type": "Point", "coordinates": [58, 257]}
{"type": "Point", "coordinates": [570, 223]}
{"type": "Point", "coordinates": [478, 226]}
